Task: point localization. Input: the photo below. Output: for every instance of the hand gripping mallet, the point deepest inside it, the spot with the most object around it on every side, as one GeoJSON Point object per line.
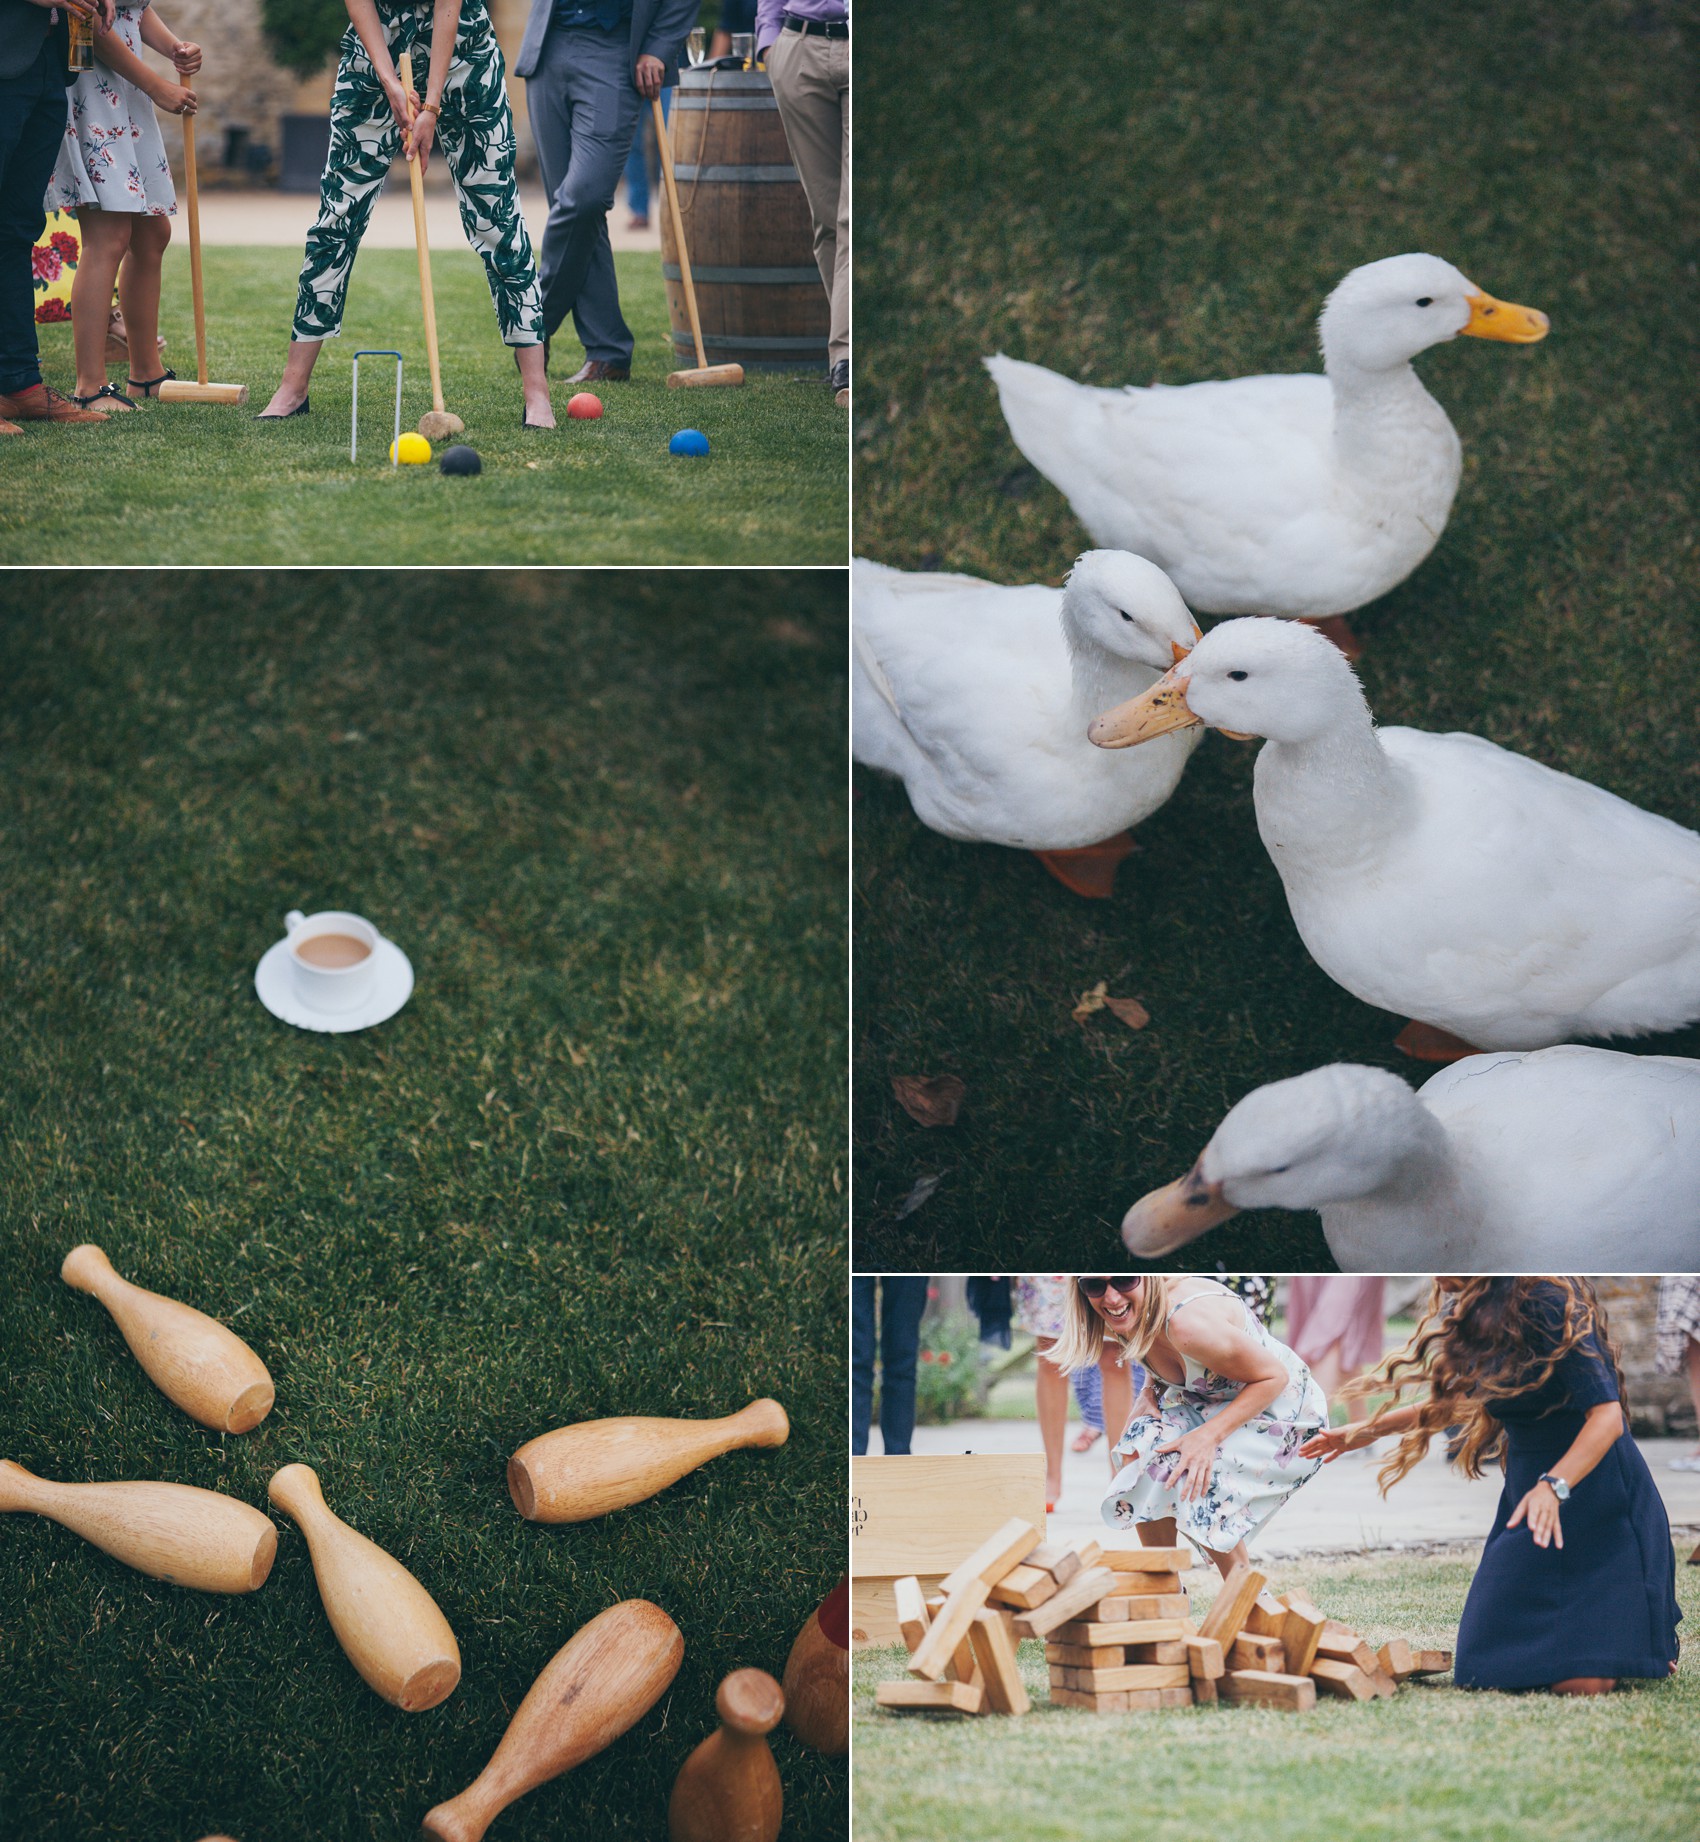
{"type": "Point", "coordinates": [174, 389]}
{"type": "Point", "coordinates": [436, 421]}
{"type": "Point", "coordinates": [705, 373]}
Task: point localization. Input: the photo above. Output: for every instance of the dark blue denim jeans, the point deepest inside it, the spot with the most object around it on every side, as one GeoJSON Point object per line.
{"type": "Point", "coordinates": [902, 1300]}
{"type": "Point", "coordinates": [32, 124]}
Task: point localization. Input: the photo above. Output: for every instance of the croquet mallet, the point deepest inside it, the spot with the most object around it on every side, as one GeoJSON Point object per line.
{"type": "Point", "coordinates": [705, 373]}
{"type": "Point", "coordinates": [436, 421]}
{"type": "Point", "coordinates": [176, 389]}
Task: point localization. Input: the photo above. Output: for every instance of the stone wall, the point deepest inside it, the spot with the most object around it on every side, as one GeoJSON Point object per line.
{"type": "Point", "coordinates": [1658, 1404]}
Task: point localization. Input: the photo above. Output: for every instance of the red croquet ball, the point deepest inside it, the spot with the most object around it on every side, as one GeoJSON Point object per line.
{"type": "Point", "coordinates": [585, 406]}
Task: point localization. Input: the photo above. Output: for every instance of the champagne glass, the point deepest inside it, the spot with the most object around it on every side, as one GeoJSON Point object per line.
{"type": "Point", "coordinates": [82, 42]}
{"type": "Point", "coordinates": [743, 47]}
{"type": "Point", "coordinates": [694, 45]}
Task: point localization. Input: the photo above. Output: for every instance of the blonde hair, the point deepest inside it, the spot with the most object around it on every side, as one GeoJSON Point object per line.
{"type": "Point", "coordinates": [1082, 1339]}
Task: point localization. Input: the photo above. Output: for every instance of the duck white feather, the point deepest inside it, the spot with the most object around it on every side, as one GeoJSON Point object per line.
{"type": "Point", "coordinates": [1569, 1159]}
{"type": "Point", "coordinates": [1296, 494]}
{"type": "Point", "coordinates": [1441, 876]}
{"type": "Point", "coordinates": [978, 697]}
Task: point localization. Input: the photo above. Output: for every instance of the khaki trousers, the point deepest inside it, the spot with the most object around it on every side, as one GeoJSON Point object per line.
{"type": "Point", "coordinates": [811, 84]}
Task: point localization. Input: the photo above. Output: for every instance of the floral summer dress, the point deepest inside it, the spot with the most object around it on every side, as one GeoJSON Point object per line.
{"type": "Point", "coordinates": [113, 155]}
{"type": "Point", "coordinates": [1257, 1468]}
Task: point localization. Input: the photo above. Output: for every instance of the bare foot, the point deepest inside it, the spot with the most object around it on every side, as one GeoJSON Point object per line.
{"type": "Point", "coordinates": [107, 405]}
{"type": "Point", "coordinates": [539, 411]}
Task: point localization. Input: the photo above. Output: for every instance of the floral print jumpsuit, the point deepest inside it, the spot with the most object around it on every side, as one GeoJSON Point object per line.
{"type": "Point", "coordinates": [475, 134]}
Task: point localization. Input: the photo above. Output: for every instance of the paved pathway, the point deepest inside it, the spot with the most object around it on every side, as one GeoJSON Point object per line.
{"type": "Point", "coordinates": [281, 220]}
{"type": "Point", "coordinates": [1339, 1509]}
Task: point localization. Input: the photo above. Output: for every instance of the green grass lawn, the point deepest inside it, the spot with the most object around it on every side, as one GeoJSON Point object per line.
{"type": "Point", "coordinates": [594, 1167]}
{"type": "Point", "coordinates": [1170, 195]}
{"type": "Point", "coordinates": [1434, 1763]}
{"type": "Point", "coordinates": [189, 484]}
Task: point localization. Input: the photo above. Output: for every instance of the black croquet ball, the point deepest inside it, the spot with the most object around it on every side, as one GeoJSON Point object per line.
{"type": "Point", "coordinates": [461, 460]}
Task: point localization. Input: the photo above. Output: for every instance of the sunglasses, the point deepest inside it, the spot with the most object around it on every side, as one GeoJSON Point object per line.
{"type": "Point", "coordinates": [1124, 1283]}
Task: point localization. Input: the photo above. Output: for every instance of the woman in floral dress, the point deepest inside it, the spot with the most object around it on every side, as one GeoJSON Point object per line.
{"type": "Point", "coordinates": [1041, 1305]}
{"type": "Point", "coordinates": [454, 47]}
{"type": "Point", "coordinates": [112, 172]}
{"type": "Point", "coordinates": [1212, 1450]}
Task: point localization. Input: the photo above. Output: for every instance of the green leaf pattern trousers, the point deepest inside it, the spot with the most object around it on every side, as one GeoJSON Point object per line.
{"type": "Point", "coordinates": [475, 134]}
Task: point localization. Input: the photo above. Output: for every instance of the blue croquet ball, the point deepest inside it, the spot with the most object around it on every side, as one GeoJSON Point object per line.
{"type": "Point", "coordinates": [688, 441]}
{"type": "Point", "coordinates": [461, 460]}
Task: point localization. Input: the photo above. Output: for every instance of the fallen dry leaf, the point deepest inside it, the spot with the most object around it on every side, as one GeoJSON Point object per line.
{"type": "Point", "coordinates": [929, 1100]}
{"type": "Point", "coordinates": [1130, 1011]}
{"type": "Point", "coordinates": [1090, 1001]}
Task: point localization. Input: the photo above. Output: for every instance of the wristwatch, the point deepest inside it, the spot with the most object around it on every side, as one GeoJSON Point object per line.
{"type": "Point", "coordinates": [1560, 1489]}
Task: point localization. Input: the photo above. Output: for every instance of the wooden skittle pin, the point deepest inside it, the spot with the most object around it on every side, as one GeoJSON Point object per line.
{"type": "Point", "coordinates": [587, 1470]}
{"type": "Point", "coordinates": [602, 1681]}
{"type": "Point", "coordinates": [192, 1359]}
{"type": "Point", "coordinates": [817, 1676]}
{"type": "Point", "coordinates": [174, 1532]}
{"type": "Point", "coordinates": [728, 1790]}
{"type": "Point", "coordinates": [388, 1625]}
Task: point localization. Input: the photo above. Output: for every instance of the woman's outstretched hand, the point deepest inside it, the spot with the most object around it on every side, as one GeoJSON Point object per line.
{"type": "Point", "coordinates": [1540, 1510]}
{"type": "Point", "coordinates": [1195, 1454]}
{"type": "Point", "coordinates": [1328, 1445]}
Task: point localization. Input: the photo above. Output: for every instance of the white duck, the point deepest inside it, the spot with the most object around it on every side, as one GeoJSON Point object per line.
{"type": "Point", "coordinates": [1441, 876]}
{"type": "Point", "coordinates": [1295, 494]}
{"type": "Point", "coordinates": [1564, 1160]}
{"type": "Point", "coordinates": [978, 697]}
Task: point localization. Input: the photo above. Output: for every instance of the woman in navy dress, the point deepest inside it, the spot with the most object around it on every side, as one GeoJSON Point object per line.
{"type": "Point", "coordinates": [1576, 1589]}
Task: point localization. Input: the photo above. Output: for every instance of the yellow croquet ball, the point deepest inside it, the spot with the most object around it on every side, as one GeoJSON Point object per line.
{"type": "Point", "coordinates": [410, 450]}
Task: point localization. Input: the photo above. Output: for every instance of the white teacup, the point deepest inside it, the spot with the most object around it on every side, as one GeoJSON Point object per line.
{"type": "Point", "coordinates": [333, 956]}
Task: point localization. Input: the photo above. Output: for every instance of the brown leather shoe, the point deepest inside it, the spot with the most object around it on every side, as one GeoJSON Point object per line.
{"type": "Point", "coordinates": [595, 371]}
{"type": "Point", "coordinates": [39, 404]}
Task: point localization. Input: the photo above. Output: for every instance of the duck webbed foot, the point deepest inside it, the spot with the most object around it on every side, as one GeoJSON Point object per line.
{"type": "Point", "coordinates": [1337, 628]}
{"type": "Point", "coordinates": [1091, 870]}
{"type": "Point", "coordinates": [1425, 1042]}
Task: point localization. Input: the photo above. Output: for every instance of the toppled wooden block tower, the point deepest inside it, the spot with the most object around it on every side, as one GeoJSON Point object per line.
{"type": "Point", "coordinates": [1119, 1635]}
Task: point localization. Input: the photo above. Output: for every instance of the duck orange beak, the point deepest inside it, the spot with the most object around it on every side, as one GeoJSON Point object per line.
{"type": "Point", "coordinates": [1177, 1213]}
{"type": "Point", "coordinates": [1152, 713]}
{"type": "Point", "coordinates": [1491, 319]}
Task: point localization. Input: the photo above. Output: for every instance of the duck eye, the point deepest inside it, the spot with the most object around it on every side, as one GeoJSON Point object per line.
{"type": "Point", "coordinates": [1125, 615]}
{"type": "Point", "coordinates": [1280, 1170]}
{"type": "Point", "coordinates": [1426, 301]}
{"type": "Point", "coordinates": [1239, 677]}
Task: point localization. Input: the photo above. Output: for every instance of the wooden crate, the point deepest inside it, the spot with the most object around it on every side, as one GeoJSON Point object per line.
{"type": "Point", "coordinates": [922, 1515]}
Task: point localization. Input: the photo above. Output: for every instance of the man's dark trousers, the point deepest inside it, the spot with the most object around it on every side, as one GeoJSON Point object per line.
{"type": "Point", "coordinates": [32, 124]}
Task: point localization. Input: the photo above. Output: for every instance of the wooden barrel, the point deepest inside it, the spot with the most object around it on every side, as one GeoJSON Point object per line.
{"type": "Point", "coordinates": [747, 227]}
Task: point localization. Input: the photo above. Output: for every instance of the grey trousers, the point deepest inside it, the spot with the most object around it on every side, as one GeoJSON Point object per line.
{"type": "Point", "coordinates": [811, 84]}
{"type": "Point", "coordinates": [584, 109]}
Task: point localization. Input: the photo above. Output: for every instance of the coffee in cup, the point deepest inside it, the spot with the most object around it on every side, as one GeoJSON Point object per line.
{"type": "Point", "coordinates": [332, 956]}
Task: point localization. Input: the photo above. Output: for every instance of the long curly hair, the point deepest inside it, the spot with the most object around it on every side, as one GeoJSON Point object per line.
{"type": "Point", "coordinates": [1485, 1341]}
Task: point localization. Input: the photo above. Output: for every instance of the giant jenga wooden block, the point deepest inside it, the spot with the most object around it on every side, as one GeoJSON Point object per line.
{"type": "Point", "coordinates": [938, 1697]}
{"type": "Point", "coordinates": [1266, 1689]}
{"type": "Point", "coordinates": [995, 1654]}
{"type": "Point", "coordinates": [1239, 1593]}
{"type": "Point", "coordinates": [949, 1628]}
{"type": "Point", "coordinates": [1084, 1590]}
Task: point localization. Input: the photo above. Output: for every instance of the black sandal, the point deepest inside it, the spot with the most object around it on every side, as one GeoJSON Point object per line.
{"type": "Point", "coordinates": [106, 390]}
{"type": "Point", "coordinates": [150, 389]}
{"type": "Point", "coordinates": [300, 409]}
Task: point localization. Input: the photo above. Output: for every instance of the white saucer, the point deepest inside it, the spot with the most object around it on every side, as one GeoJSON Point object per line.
{"type": "Point", "coordinates": [392, 985]}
